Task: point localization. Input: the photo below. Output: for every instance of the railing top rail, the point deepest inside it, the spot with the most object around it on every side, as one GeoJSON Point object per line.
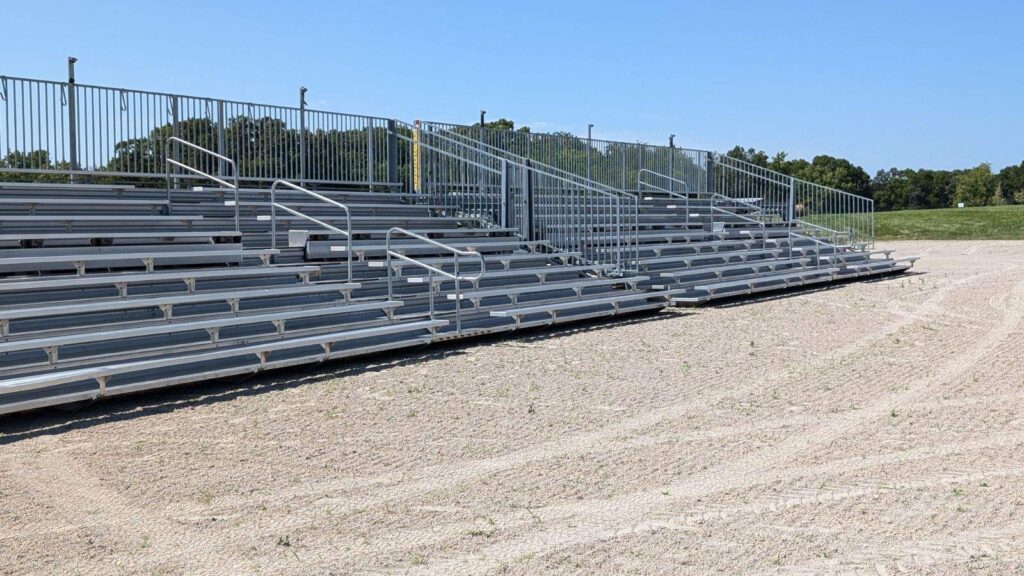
{"type": "Point", "coordinates": [322, 198]}
{"type": "Point", "coordinates": [436, 244]}
{"type": "Point", "coordinates": [777, 177]}
{"type": "Point", "coordinates": [310, 218]}
{"type": "Point", "coordinates": [188, 96]}
{"type": "Point", "coordinates": [572, 137]}
{"type": "Point", "coordinates": [535, 165]}
{"type": "Point", "coordinates": [714, 195]}
{"type": "Point", "coordinates": [640, 182]}
{"type": "Point", "coordinates": [751, 170]}
{"type": "Point", "coordinates": [698, 192]}
{"type": "Point", "coordinates": [201, 149]}
{"type": "Point", "coordinates": [449, 154]}
{"type": "Point", "coordinates": [199, 172]}
{"type": "Point", "coordinates": [811, 238]}
{"type": "Point", "coordinates": [832, 231]}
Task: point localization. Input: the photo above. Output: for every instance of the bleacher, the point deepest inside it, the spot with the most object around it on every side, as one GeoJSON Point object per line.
{"type": "Point", "coordinates": [115, 282]}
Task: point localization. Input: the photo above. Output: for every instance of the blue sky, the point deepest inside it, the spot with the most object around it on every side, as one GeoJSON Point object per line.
{"type": "Point", "coordinates": [933, 84]}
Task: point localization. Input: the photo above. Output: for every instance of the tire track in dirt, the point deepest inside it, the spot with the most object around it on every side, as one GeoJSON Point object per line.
{"type": "Point", "coordinates": [1001, 546]}
{"type": "Point", "coordinates": [392, 487]}
{"type": "Point", "coordinates": [748, 471]}
{"type": "Point", "coordinates": [602, 522]}
{"type": "Point", "coordinates": [84, 502]}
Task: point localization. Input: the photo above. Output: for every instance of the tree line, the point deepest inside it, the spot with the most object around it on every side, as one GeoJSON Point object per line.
{"type": "Point", "coordinates": [900, 188]}
{"type": "Point", "coordinates": [267, 146]}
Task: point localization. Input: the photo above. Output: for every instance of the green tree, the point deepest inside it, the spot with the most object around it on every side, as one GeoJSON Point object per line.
{"type": "Point", "coordinates": [756, 157]}
{"type": "Point", "coordinates": [1011, 181]}
{"type": "Point", "coordinates": [837, 173]}
{"type": "Point", "coordinates": [503, 124]}
{"type": "Point", "coordinates": [976, 186]}
{"type": "Point", "coordinates": [893, 189]}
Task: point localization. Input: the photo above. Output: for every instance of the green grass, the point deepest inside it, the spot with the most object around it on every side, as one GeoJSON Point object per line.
{"type": "Point", "coordinates": [984, 223]}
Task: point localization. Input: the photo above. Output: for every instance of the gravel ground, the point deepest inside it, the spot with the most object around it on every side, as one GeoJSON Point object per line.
{"type": "Point", "coordinates": [873, 427]}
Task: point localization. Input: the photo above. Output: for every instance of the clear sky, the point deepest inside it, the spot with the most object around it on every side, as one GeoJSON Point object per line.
{"type": "Point", "coordinates": [918, 84]}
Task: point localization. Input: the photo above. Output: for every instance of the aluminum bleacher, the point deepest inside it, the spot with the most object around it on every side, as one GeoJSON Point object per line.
{"type": "Point", "coordinates": [125, 274]}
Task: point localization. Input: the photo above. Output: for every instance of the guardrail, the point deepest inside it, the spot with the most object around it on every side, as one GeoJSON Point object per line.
{"type": "Point", "coordinates": [431, 270]}
{"type": "Point", "coordinates": [168, 162]}
{"type": "Point", "coordinates": [796, 200]}
{"type": "Point", "coordinates": [476, 187]}
{"type": "Point", "coordinates": [609, 163]}
{"type": "Point", "coordinates": [551, 205]}
{"type": "Point", "coordinates": [73, 129]}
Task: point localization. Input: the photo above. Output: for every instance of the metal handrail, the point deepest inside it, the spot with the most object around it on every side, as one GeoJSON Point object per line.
{"type": "Point", "coordinates": [431, 270]}
{"type": "Point", "coordinates": [168, 162]}
{"type": "Point", "coordinates": [639, 181]}
{"type": "Point", "coordinates": [817, 246]}
{"type": "Point", "coordinates": [274, 205]}
{"type": "Point", "coordinates": [835, 233]}
{"type": "Point", "coordinates": [686, 197]}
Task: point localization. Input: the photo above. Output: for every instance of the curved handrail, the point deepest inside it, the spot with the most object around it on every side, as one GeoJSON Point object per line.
{"type": "Point", "coordinates": [274, 205]}
{"type": "Point", "coordinates": [640, 182]}
{"type": "Point", "coordinates": [168, 162]}
{"type": "Point", "coordinates": [817, 246]}
{"type": "Point", "coordinates": [431, 270]}
{"type": "Point", "coordinates": [640, 175]}
{"type": "Point", "coordinates": [835, 233]}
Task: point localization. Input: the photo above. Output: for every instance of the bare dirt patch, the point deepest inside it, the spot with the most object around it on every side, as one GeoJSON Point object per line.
{"type": "Point", "coordinates": [872, 427]}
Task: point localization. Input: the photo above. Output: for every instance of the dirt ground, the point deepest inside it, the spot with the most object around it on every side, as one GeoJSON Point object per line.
{"type": "Point", "coordinates": [869, 428]}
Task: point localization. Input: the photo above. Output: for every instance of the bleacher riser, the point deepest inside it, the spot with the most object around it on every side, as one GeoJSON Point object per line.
{"type": "Point", "coordinates": [110, 289]}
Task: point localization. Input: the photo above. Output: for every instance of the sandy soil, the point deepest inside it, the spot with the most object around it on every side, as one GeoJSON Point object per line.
{"type": "Point", "coordinates": [873, 427]}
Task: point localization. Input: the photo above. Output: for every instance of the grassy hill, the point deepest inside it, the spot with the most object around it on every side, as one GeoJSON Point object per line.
{"type": "Point", "coordinates": [985, 223]}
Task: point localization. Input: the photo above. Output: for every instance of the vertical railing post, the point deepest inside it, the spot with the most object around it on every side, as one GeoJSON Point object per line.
{"type": "Point", "coordinates": [527, 201]}
{"type": "Point", "coordinates": [792, 198]}
{"type": "Point", "coordinates": [72, 118]}
{"type": "Point", "coordinates": [623, 167]}
{"type": "Point", "coordinates": [480, 154]}
{"type": "Point", "coordinates": [590, 146]}
{"type": "Point", "coordinates": [221, 144]}
{"type": "Point", "coordinates": [273, 216]}
{"type": "Point", "coordinates": [506, 220]}
{"type": "Point", "coordinates": [709, 174]}
{"type": "Point", "coordinates": [302, 136]}
{"type": "Point", "coordinates": [176, 132]}
{"type": "Point", "coordinates": [392, 153]}
{"type": "Point", "coordinates": [370, 160]}
{"type": "Point", "coordinates": [671, 159]}
{"type": "Point", "coordinates": [417, 159]}
{"type": "Point", "coordinates": [458, 298]}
